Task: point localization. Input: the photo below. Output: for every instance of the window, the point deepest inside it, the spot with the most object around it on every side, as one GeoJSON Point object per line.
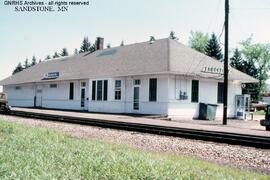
{"type": "Point", "coordinates": [137, 82]}
{"type": "Point", "coordinates": [195, 91]}
{"type": "Point", "coordinates": [99, 90]}
{"type": "Point", "coordinates": [105, 90]}
{"type": "Point", "coordinates": [53, 85]}
{"type": "Point", "coordinates": [220, 92]}
{"type": "Point", "coordinates": [153, 89]}
{"type": "Point", "coordinates": [71, 91]}
{"type": "Point", "coordinates": [83, 84]}
{"type": "Point", "coordinates": [93, 90]}
{"type": "Point", "coordinates": [82, 97]}
{"type": "Point", "coordinates": [117, 90]}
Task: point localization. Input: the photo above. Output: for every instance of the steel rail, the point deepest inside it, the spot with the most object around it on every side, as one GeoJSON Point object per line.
{"type": "Point", "coordinates": [214, 136]}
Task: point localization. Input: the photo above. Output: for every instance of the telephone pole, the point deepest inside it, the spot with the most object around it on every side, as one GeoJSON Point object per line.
{"type": "Point", "coordinates": [225, 92]}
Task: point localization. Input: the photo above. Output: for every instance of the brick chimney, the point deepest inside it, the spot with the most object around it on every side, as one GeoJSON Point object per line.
{"type": "Point", "coordinates": [100, 43]}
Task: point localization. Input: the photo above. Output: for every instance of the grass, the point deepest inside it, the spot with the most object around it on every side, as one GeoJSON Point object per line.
{"type": "Point", "coordinates": [36, 153]}
{"type": "Point", "coordinates": [262, 112]}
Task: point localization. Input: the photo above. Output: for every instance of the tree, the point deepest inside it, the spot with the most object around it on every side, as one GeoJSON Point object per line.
{"type": "Point", "coordinates": [56, 55]}
{"type": "Point", "coordinates": [48, 57]}
{"type": "Point", "coordinates": [76, 51]}
{"type": "Point", "coordinates": [152, 39]}
{"type": "Point", "coordinates": [259, 56]}
{"type": "Point", "coordinates": [254, 62]}
{"type": "Point", "coordinates": [85, 47]}
{"type": "Point", "coordinates": [64, 52]}
{"type": "Point", "coordinates": [213, 48]}
{"type": "Point", "coordinates": [34, 61]}
{"type": "Point", "coordinates": [198, 41]}
{"type": "Point", "coordinates": [249, 68]}
{"type": "Point", "coordinates": [108, 45]}
{"type": "Point", "coordinates": [122, 43]}
{"type": "Point", "coordinates": [26, 64]}
{"type": "Point", "coordinates": [18, 68]}
{"type": "Point", "coordinates": [237, 61]}
{"type": "Point", "coordinates": [93, 47]}
{"type": "Point", "coordinates": [173, 36]}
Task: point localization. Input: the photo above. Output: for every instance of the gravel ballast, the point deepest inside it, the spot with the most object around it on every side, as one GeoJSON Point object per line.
{"type": "Point", "coordinates": [224, 154]}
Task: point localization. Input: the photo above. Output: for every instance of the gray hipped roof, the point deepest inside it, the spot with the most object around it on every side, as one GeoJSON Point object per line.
{"type": "Point", "coordinates": [162, 56]}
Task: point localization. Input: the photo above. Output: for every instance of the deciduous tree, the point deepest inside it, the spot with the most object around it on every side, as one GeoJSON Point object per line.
{"type": "Point", "coordinates": [259, 55]}
{"type": "Point", "coordinates": [198, 41]}
{"type": "Point", "coordinates": [254, 60]}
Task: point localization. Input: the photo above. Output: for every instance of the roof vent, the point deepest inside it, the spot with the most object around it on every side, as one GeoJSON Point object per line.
{"type": "Point", "coordinates": [107, 52]}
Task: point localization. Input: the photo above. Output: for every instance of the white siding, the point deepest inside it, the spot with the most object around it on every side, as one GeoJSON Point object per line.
{"type": "Point", "coordinates": [59, 97]}
{"type": "Point", "coordinates": [23, 97]}
{"type": "Point", "coordinates": [266, 100]}
{"type": "Point", "coordinates": [168, 103]}
{"type": "Point", "coordinates": [111, 105]}
{"type": "Point", "coordinates": [147, 107]}
{"type": "Point", "coordinates": [185, 109]}
{"type": "Point", "coordinates": [125, 105]}
{"type": "Point", "coordinates": [50, 97]}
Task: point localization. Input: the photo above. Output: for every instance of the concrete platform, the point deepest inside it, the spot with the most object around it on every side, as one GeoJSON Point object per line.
{"type": "Point", "coordinates": [234, 126]}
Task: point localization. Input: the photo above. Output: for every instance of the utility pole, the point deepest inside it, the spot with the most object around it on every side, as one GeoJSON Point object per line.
{"type": "Point", "coordinates": [226, 56]}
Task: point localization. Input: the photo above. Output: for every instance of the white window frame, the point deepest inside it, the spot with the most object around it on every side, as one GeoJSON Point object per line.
{"type": "Point", "coordinates": [102, 89]}
{"type": "Point", "coordinates": [83, 84]}
{"type": "Point", "coordinates": [137, 82]}
{"type": "Point", "coordinates": [117, 89]}
{"type": "Point", "coordinates": [53, 86]}
{"type": "Point", "coordinates": [18, 88]}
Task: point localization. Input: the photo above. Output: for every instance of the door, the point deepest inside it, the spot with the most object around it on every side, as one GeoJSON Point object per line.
{"type": "Point", "coordinates": [83, 98]}
{"type": "Point", "coordinates": [240, 107]}
{"type": "Point", "coordinates": [38, 98]}
{"type": "Point", "coordinates": [136, 98]}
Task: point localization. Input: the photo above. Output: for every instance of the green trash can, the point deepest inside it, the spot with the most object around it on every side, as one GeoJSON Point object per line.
{"type": "Point", "coordinates": [207, 111]}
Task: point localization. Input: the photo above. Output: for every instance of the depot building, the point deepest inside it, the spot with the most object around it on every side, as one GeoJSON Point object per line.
{"type": "Point", "coordinates": [162, 77]}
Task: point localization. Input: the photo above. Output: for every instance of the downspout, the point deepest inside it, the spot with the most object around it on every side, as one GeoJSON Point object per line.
{"type": "Point", "coordinates": [125, 102]}
{"type": "Point", "coordinates": [35, 95]}
{"type": "Point", "coordinates": [168, 69]}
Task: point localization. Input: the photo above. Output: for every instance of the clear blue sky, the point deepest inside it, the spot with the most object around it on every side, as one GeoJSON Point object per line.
{"type": "Point", "coordinates": [26, 34]}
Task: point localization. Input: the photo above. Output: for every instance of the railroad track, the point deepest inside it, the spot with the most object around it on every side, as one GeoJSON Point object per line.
{"type": "Point", "coordinates": [221, 137]}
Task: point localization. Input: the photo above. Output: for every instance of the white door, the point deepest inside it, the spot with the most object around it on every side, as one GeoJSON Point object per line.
{"type": "Point", "coordinates": [136, 98]}
{"type": "Point", "coordinates": [38, 97]}
{"type": "Point", "coordinates": [83, 99]}
{"type": "Point", "coordinates": [84, 102]}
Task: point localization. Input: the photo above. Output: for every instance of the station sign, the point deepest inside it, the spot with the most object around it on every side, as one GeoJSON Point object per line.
{"type": "Point", "coordinates": [51, 75]}
{"type": "Point", "coordinates": [212, 70]}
